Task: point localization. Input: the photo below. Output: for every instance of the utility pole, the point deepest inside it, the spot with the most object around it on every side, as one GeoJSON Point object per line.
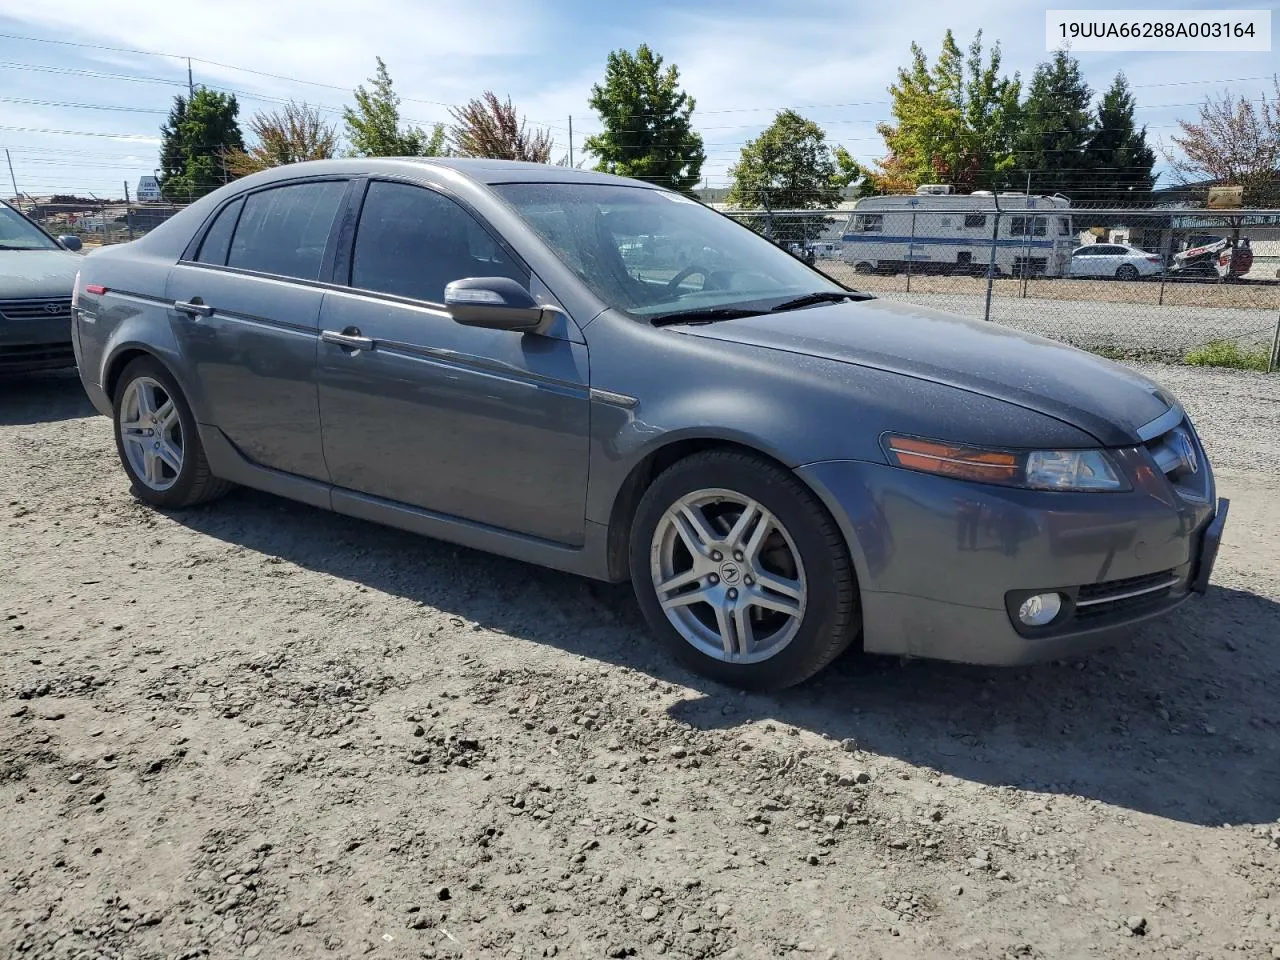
{"type": "Point", "coordinates": [191, 87]}
{"type": "Point", "coordinates": [128, 213]}
{"type": "Point", "coordinates": [571, 140]}
{"type": "Point", "coordinates": [12, 178]}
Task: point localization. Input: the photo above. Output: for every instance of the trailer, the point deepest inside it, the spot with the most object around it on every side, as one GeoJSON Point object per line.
{"type": "Point", "coordinates": [939, 231]}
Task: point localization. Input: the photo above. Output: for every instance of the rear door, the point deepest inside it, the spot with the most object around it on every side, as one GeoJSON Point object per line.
{"type": "Point", "coordinates": [246, 309]}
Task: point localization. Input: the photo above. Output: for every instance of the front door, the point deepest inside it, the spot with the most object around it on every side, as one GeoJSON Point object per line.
{"type": "Point", "coordinates": [249, 329]}
{"type": "Point", "coordinates": [486, 425]}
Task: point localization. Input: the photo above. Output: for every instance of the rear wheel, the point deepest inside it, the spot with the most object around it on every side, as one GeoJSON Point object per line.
{"type": "Point", "coordinates": [863, 268]}
{"type": "Point", "coordinates": [157, 440]}
{"type": "Point", "coordinates": [1126, 271]}
{"type": "Point", "coordinates": [741, 573]}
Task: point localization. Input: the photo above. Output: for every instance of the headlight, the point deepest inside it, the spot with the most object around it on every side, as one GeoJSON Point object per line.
{"type": "Point", "coordinates": [1069, 470]}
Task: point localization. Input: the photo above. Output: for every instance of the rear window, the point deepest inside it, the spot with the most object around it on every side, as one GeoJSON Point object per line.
{"type": "Point", "coordinates": [216, 243]}
{"type": "Point", "coordinates": [284, 230]}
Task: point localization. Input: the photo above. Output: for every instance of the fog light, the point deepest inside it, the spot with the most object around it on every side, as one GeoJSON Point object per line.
{"type": "Point", "coordinates": [1041, 609]}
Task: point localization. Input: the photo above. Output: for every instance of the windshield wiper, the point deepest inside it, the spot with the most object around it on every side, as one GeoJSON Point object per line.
{"type": "Point", "coordinates": [708, 315]}
{"type": "Point", "coordinates": [825, 296]}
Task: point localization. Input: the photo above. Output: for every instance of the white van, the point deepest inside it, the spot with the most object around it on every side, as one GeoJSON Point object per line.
{"type": "Point", "coordinates": [938, 231]}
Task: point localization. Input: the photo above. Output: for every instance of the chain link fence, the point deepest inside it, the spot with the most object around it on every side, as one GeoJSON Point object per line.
{"type": "Point", "coordinates": [1173, 285]}
{"type": "Point", "coordinates": [97, 222]}
{"type": "Point", "coordinates": [1178, 285]}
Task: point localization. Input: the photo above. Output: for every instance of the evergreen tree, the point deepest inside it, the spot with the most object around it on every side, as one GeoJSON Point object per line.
{"type": "Point", "coordinates": [1118, 160]}
{"type": "Point", "coordinates": [197, 139]}
{"type": "Point", "coordinates": [1057, 126]}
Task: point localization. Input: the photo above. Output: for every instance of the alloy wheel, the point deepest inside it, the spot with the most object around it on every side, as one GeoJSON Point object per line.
{"type": "Point", "coordinates": [151, 433]}
{"type": "Point", "coordinates": [728, 576]}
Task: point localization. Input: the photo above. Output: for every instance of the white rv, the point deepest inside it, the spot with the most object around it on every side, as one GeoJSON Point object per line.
{"type": "Point", "coordinates": [939, 231]}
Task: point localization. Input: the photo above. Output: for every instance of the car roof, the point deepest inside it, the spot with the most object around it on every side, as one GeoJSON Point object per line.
{"type": "Point", "coordinates": [483, 171]}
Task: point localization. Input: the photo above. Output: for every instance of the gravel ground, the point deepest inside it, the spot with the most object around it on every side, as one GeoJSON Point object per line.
{"type": "Point", "coordinates": [259, 730]}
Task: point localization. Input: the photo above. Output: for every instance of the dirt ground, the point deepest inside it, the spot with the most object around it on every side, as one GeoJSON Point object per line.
{"type": "Point", "coordinates": [259, 730]}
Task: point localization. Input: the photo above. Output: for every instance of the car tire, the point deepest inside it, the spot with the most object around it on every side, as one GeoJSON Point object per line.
{"type": "Point", "coordinates": [801, 546]}
{"type": "Point", "coordinates": [161, 453]}
{"type": "Point", "coordinates": [863, 268]}
{"type": "Point", "coordinates": [1126, 271]}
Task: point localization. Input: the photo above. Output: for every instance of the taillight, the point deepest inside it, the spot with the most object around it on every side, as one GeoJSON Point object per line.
{"type": "Point", "coordinates": [96, 290]}
{"type": "Point", "coordinates": [1153, 259]}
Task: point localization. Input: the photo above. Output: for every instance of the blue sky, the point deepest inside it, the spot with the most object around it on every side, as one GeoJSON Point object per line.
{"type": "Point", "coordinates": [741, 60]}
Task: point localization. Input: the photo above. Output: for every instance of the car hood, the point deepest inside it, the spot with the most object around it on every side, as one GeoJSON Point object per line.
{"type": "Point", "coordinates": [1098, 396]}
{"type": "Point", "coordinates": [30, 274]}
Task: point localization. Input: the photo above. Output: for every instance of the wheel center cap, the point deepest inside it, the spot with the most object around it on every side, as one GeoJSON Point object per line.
{"type": "Point", "coordinates": [730, 573]}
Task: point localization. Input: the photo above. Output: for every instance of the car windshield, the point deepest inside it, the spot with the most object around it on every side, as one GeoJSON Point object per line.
{"type": "Point", "coordinates": [17, 232]}
{"type": "Point", "coordinates": [653, 254]}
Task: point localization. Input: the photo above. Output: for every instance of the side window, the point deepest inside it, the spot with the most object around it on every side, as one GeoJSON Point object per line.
{"type": "Point", "coordinates": [973, 220]}
{"type": "Point", "coordinates": [412, 242]}
{"type": "Point", "coordinates": [284, 230]}
{"type": "Point", "coordinates": [1028, 226]}
{"type": "Point", "coordinates": [869, 223]}
{"type": "Point", "coordinates": [216, 243]}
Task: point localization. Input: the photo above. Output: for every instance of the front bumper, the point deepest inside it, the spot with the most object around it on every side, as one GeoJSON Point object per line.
{"type": "Point", "coordinates": [30, 345]}
{"type": "Point", "coordinates": [942, 563]}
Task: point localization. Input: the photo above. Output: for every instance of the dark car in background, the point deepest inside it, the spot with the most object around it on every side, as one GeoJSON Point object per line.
{"type": "Point", "coordinates": [37, 279]}
{"type": "Point", "coordinates": [492, 354]}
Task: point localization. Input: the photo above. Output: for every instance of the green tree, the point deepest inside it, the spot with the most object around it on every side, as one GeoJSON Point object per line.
{"type": "Point", "coordinates": [954, 122]}
{"type": "Point", "coordinates": [488, 127]}
{"type": "Point", "coordinates": [648, 133]}
{"type": "Point", "coordinates": [1118, 160]}
{"type": "Point", "coordinates": [1057, 126]}
{"type": "Point", "coordinates": [790, 167]}
{"type": "Point", "coordinates": [196, 141]}
{"type": "Point", "coordinates": [373, 124]}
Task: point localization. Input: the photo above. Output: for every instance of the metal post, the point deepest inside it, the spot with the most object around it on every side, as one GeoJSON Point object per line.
{"type": "Point", "coordinates": [12, 178]}
{"type": "Point", "coordinates": [911, 247]}
{"type": "Point", "coordinates": [570, 140]}
{"type": "Point", "coordinates": [1027, 223]}
{"type": "Point", "coordinates": [991, 263]}
{"type": "Point", "coordinates": [1274, 360]}
{"type": "Point", "coordinates": [1164, 270]}
{"type": "Point", "coordinates": [128, 211]}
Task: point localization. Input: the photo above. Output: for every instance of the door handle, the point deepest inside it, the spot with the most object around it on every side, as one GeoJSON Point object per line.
{"type": "Point", "coordinates": [193, 308]}
{"type": "Point", "coordinates": [350, 341]}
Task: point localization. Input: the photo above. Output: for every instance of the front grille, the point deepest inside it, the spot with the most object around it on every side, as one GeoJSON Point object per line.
{"type": "Point", "coordinates": [1178, 455]}
{"type": "Point", "coordinates": [1118, 598]}
{"type": "Point", "coordinates": [36, 356]}
{"type": "Point", "coordinates": [47, 308]}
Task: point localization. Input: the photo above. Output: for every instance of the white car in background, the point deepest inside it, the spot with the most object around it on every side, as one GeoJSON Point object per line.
{"type": "Point", "coordinates": [1113, 260]}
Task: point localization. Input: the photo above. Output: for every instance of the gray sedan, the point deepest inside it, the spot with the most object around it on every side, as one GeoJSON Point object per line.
{"type": "Point", "coordinates": [37, 275]}
{"type": "Point", "coordinates": [608, 378]}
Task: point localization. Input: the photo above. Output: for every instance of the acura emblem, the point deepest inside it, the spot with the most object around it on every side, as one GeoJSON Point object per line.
{"type": "Point", "coordinates": [1187, 451]}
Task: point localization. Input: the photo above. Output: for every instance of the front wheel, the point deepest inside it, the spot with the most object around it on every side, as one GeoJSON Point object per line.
{"type": "Point", "coordinates": [157, 440]}
{"type": "Point", "coordinates": [741, 573]}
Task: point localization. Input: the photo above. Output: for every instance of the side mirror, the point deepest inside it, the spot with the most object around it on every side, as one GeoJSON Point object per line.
{"type": "Point", "coordinates": [495, 303]}
{"type": "Point", "coordinates": [71, 242]}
